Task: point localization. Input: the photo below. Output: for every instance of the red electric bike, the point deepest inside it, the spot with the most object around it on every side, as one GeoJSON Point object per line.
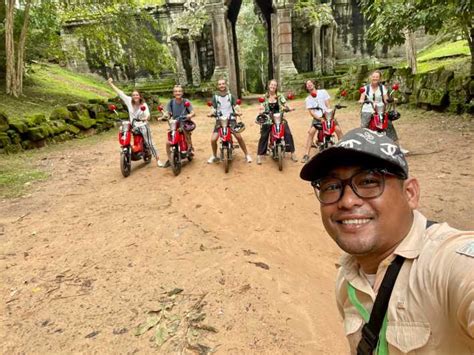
{"type": "Point", "coordinates": [131, 151]}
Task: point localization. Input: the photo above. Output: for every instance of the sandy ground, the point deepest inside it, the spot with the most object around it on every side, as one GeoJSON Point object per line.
{"type": "Point", "coordinates": [234, 263]}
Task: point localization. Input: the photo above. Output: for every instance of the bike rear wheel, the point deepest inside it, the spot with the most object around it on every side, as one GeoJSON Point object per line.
{"type": "Point", "coordinates": [125, 163]}
{"type": "Point", "coordinates": [175, 162]}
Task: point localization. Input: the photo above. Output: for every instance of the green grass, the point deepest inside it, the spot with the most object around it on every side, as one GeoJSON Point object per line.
{"type": "Point", "coordinates": [450, 55]}
{"type": "Point", "coordinates": [47, 86]}
{"type": "Point", "coordinates": [457, 64]}
{"type": "Point", "coordinates": [447, 49]}
{"type": "Point", "coordinates": [17, 176]}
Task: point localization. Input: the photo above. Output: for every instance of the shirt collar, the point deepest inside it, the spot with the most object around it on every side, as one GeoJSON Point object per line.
{"type": "Point", "coordinates": [411, 245]}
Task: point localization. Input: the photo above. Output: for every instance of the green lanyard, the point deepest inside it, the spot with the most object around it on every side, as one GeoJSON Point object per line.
{"type": "Point", "coordinates": [382, 346]}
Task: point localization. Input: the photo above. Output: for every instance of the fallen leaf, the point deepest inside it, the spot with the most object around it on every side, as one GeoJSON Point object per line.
{"type": "Point", "coordinates": [144, 327]}
{"type": "Point", "coordinates": [161, 335]}
{"type": "Point", "coordinates": [261, 265]}
{"type": "Point", "coordinates": [91, 335]}
{"type": "Point", "coordinates": [175, 291]}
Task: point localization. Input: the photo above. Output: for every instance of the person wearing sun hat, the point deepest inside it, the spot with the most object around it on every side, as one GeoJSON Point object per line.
{"type": "Point", "coordinates": [405, 284]}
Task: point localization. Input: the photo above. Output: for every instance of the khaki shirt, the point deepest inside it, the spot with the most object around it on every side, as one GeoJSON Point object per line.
{"type": "Point", "coordinates": [431, 309]}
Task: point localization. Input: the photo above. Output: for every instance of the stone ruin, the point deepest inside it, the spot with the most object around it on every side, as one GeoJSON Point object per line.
{"type": "Point", "coordinates": [201, 35]}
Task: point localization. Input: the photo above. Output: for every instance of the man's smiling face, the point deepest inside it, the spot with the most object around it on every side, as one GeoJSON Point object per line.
{"type": "Point", "coordinates": [363, 226]}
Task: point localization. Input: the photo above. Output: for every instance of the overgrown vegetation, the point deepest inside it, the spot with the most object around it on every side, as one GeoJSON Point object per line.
{"type": "Point", "coordinates": [48, 86]}
{"type": "Point", "coordinates": [395, 22]}
{"type": "Point", "coordinates": [310, 13]}
{"type": "Point", "coordinates": [111, 34]}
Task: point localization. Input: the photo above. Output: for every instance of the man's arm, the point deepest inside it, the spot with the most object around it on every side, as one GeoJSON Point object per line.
{"type": "Point", "coordinates": [461, 287]}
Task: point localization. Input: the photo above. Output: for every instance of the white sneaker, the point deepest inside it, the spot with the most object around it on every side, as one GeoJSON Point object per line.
{"type": "Point", "coordinates": [259, 159]}
{"type": "Point", "coordinates": [159, 163]}
{"type": "Point", "coordinates": [248, 158]}
{"type": "Point", "coordinates": [404, 151]}
{"type": "Point", "coordinates": [212, 159]}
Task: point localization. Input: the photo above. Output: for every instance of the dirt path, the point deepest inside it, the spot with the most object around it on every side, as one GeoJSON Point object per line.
{"type": "Point", "coordinates": [88, 254]}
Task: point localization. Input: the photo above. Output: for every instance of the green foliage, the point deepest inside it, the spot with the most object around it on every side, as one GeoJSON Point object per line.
{"type": "Point", "coordinates": [44, 41]}
{"type": "Point", "coordinates": [190, 23]}
{"type": "Point", "coordinates": [120, 33]}
{"type": "Point", "coordinates": [389, 19]}
{"type": "Point", "coordinates": [253, 47]}
{"type": "Point", "coordinates": [310, 13]}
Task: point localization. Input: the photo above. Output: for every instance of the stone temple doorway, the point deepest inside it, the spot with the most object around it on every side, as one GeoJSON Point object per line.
{"type": "Point", "coordinates": [276, 15]}
{"type": "Point", "coordinates": [252, 42]}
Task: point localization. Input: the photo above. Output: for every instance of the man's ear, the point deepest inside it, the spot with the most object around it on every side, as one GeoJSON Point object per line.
{"type": "Point", "coordinates": [411, 189]}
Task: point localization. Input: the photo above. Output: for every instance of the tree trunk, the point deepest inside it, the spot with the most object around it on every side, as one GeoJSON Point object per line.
{"type": "Point", "coordinates": [9, 47]}
{"type": "Point", "coordinates": [469, 31]}
{"type": "Point", "coordinates": [15, 63]}
{"type": "Point", "coordinates": [21, 50]}
{"type": "Point", "coordinates": [410, 50]}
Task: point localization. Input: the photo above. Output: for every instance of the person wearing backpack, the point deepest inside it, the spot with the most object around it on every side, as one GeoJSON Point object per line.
{"type": "Point", "coordinates": [405, 285]}
{"type": "Point", "coordinates": [179, 107]}
{"type": "Point", "coordinates": [378, 93]}
{"type": "Point", "coordinates": [226, 103]}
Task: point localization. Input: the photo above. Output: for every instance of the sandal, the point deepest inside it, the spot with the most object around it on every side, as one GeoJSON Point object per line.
{"type": "Point", "coordinates": [305, 159]}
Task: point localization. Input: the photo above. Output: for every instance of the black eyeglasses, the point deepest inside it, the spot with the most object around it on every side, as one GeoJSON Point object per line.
{"type": "Point", "coordinates": [366, 184]}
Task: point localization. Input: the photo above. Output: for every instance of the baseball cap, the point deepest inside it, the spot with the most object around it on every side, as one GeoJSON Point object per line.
{"type": "Point", "coordinates": [359, 147]}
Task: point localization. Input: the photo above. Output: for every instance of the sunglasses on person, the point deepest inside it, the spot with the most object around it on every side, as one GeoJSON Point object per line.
{"type": "Point", "coordinates": [366, 184]}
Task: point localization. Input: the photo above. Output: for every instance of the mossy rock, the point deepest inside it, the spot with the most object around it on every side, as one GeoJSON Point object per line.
{"type": "Point", "coordinates": [13, 148]}
{"type": "Point", "coordinates": [3, 121]}
{"type": "Point", "coordinates": [35, 120]}
{"type": "Point", "coordinates": [4, 140]}
{"type": "Point", "coordinates": [64, 137]}
{"type": "Point", "coordinates": [405, 79]}
{"type": "Point", "coordinates": [39, 132]}
{"type": "Point", "coordinates": [60, 113]}
{"type": "Point", "coordinates": [82, 120]}
{"type": "Point", "coordinates": [96, 101]}
{"type": "Point", "coordinates": [101, 117]}
{"type": "Point", "coordinates": [72, 129]}
{"type": "Point", "coordinates": [432, 97]}
{"type": "Point", "coordinates": [94, 110]}
{"type": "Point", "coordinates": [27, 144]}
{"type": "Point", "coordinates": [122, 116]}
{"type": "Point", "coordinates": [58, 127]}
{"type": "Point", "coordinates": [75, 107]}
{"type": "Point", "coordinates": [14, 136]}
{"type": "Point", "coordinates": [19, 125]}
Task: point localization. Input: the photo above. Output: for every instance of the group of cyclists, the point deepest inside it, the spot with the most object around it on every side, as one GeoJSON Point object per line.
{"type": "Point", "coordinates": [273, 102]}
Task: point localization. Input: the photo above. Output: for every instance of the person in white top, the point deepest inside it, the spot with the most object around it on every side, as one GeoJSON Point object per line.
{"type": "Point", "coordinates": [377, 92]}
{"type": "Point", "coordinates": [322, 100]}
{"type": "Point", "coordinates": [226, 103]}
{"type": "Point", "coordinates": [133, 104]}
